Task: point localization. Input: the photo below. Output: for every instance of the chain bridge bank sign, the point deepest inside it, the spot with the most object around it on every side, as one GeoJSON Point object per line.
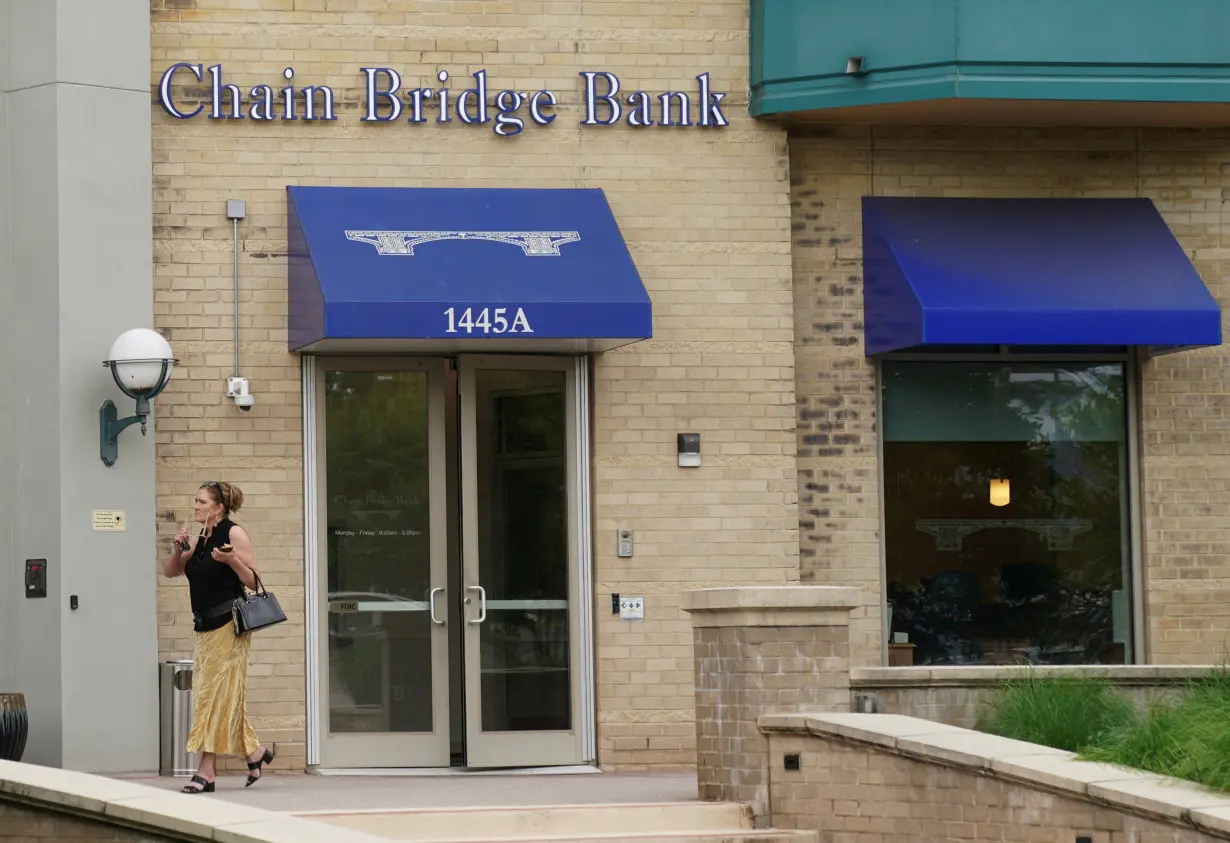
{"type": "Point", "coordinates": [386, 100]}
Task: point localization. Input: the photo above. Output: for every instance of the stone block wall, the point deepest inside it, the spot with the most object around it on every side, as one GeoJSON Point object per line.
{"type": "Point", "coordinates": [799, 669]}
{"type": "Point", "coordinates": [27, 824]}
{"type": "Point", "coordinates": [50, 803]}
{"type": "Point", "coordinates": [762, 651]}
{"type": "Point", "coordinates": [881, 779]}
{"type": "Point", "coordinates": [775, 731]}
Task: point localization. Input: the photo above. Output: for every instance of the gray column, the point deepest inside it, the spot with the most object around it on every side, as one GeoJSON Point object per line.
{"type": "Point", "coordinates": [7, 572]}
{"type": "Point", "coordinates": [9, 576]}
{"type": "Point", "coordinates": [76, 271]}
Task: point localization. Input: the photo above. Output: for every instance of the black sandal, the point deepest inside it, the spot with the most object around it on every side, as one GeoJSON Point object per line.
{"type": "Point", "coordinates": [267, 758]}
{"type": "Point", "coordinates": [205, 787]}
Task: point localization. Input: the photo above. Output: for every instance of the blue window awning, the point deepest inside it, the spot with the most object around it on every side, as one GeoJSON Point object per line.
{"type": "Point", "coordinates": [1028, 272]}
{"type": "Point", "coordinates": [456, 269]}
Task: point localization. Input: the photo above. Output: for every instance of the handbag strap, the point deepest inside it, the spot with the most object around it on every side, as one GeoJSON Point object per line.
{"type": "Point", "coordinates": [260, 587]}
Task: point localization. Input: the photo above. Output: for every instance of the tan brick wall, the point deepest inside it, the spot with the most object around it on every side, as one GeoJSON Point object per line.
{"type": "Point", "coordinates": [705, 213]}
{"type": "Point", "coordinates": [861, 795]}
{"type": "Point", "coordinates": [23, 824]}
{"type": "Point", "coordinates": [743, 672]}
{"type": "Point", "coordinates": [1186, 458]}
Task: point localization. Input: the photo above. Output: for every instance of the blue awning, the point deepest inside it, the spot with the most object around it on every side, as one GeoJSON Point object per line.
{"type": "Point", "coordinates": [456, 269]}
{"type": "Point", "coordinates": [1028, 272]}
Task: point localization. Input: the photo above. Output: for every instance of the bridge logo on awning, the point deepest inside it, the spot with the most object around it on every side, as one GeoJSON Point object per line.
{"type": "Point", "coordinates": [534, 244]}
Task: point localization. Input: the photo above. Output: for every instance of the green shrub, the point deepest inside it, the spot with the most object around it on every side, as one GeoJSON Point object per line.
{"type": "Point", "coordinates": [1188, 738]}
{"type": "Point", "coordinates": [1070, 713]}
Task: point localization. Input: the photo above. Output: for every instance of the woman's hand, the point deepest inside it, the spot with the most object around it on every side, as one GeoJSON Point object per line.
{"type": "Point", "coordinates": [225, 555]}
{"type": "Point", "coordinates": [173, 565]}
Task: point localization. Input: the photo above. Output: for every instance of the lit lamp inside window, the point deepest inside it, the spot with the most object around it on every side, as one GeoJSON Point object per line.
{"type": "Point", "coordinates": [999, 492]}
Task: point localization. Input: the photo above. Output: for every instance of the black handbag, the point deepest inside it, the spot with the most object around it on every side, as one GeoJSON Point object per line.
{"type": "Point", "coordinates": [257, 610]}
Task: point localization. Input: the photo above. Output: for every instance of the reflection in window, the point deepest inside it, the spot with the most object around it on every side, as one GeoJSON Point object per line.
{"type": "Point", "coordinates": [379, 551]}
{"type": "Point", "coordinates": [1043, 577]}
{"type": "Point", "coordinates": [521, 452]}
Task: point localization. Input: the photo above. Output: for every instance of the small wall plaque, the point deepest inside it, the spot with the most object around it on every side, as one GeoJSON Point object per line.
{"type": "Point", "coordinates": [110, 520]}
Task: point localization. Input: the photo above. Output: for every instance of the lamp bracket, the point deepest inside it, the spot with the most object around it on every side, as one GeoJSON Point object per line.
{"type": "Point", "coordinates": [110, 425]}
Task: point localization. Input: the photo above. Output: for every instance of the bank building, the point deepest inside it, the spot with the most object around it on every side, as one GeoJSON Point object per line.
{"type": "Point", "coordinates": [517, 323]}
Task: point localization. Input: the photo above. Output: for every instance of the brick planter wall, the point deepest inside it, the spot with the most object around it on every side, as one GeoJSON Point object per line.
{"type": "Point", "coordinates": [762, 650]}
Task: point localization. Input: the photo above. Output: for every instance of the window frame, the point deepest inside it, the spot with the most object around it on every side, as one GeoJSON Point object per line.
{"type": "Point", "coordinates": [1130, 359]}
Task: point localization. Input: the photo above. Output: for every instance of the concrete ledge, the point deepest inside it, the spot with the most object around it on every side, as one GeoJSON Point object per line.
{"type": "Point", "coordinates": [1132, 791]}
{"type": "Point", "coordinates": [889, 727]}
{"type": "Point", "coordinates": [782, 605]}
{"type": "Point", "coordinates": [152, 810]}
{"type": "Point", "coordinates": [989, 675]}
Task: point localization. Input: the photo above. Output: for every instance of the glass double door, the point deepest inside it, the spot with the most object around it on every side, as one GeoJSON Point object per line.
{"type": "Point", "coordinates": [445, 497]}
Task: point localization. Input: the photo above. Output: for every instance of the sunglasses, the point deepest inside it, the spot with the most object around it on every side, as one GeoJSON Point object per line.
{"type": "Point", "coordinates": [216, 486]}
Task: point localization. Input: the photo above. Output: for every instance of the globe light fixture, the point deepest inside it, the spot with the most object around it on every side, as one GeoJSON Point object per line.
{"type": "Point", "coordinates": [140, 362]}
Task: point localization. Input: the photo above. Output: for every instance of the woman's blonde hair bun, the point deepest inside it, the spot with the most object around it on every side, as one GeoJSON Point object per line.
{"type": "Point", "coordinates": [227, 494]}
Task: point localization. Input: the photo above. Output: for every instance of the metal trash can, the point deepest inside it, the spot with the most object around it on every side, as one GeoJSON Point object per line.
{"type": "Point", "coordinates": [175, 719]}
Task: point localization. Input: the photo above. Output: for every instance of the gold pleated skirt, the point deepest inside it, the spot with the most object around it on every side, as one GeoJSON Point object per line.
{"type": "Point", "coordinates": [219, 694]}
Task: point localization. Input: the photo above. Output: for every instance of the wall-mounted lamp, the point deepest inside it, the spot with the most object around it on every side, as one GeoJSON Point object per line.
{"type": "Point", "coordinates": [854, 65]}
{"type": "Point", "coordinates": [140, 362]}
{"type": "Point", "coordinates": [688, 445]}
{"type": "Point", "coordinates": [1000, 493]}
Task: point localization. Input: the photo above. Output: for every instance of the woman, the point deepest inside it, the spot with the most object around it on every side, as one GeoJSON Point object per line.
{"type": "Point", "coordinates": [218, 564]}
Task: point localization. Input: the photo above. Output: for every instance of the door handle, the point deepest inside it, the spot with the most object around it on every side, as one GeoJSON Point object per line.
{"type": "Point", "coordinates": [431, 603]}
{"type": "Point", "coordinates": [482, 603]}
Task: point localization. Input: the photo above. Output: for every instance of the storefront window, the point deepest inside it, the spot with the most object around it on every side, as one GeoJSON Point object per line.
{"type": "Point", "coordinates": [1006, 512]}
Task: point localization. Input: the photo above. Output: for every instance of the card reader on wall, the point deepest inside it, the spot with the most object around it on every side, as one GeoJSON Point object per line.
{"type": "Point", "coordinates": [36, 578]}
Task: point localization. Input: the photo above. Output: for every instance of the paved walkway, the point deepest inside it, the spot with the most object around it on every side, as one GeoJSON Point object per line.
{"type": "Point", "coordinates": [301, 792]}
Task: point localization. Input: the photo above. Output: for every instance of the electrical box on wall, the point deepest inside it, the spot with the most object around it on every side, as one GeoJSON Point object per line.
{"type": "Point", "coordinates": [36, 578]}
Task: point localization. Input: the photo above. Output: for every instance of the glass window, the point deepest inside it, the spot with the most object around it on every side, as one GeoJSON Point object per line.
{"type": "Point", "coordinates": [521, 447]}
{"type": "Point", "coordinates": [379, 552]}
{"type": "Point", "coordinates": [1006, 512]}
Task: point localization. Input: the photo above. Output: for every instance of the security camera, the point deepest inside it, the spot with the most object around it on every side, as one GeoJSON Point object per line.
{"type": "Point", "coordinates": [237, 388]}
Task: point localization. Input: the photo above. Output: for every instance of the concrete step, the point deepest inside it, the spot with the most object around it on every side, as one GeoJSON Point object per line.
{"type": "Point", "coordinates": [679, 822]}
{"type": "Point", "coordinates": [729, 835]}
{"type": "Point", "coordinates": [733, 835]}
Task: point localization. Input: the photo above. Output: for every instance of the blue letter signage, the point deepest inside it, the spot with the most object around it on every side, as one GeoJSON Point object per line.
{"type": "Point", "coordinates": [205, 93]}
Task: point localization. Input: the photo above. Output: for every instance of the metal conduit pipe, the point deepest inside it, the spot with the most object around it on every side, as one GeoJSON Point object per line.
{"type": "Point", "coordinates": [237, 387]}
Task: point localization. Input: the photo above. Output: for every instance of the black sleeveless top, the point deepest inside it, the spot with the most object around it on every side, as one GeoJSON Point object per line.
{"type": "Point", "coordinates": [211, 582]}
